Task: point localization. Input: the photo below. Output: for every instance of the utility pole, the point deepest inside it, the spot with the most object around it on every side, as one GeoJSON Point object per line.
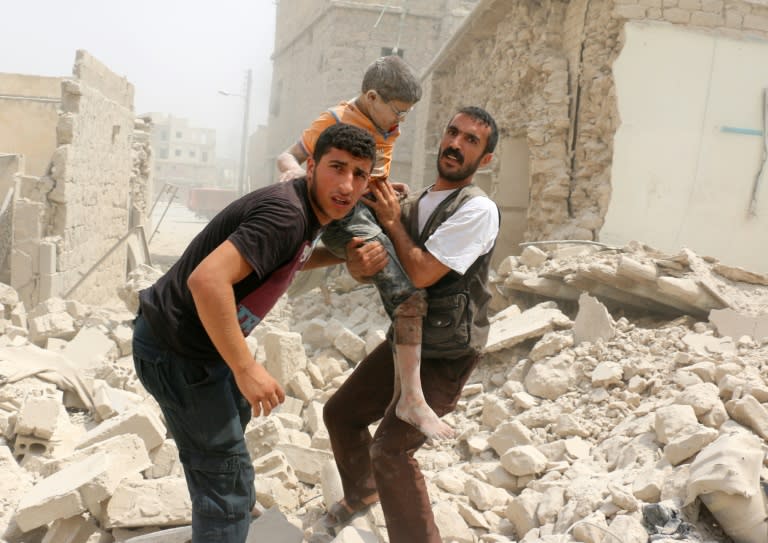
{"type": "Point", "coordinates": [242, 188]}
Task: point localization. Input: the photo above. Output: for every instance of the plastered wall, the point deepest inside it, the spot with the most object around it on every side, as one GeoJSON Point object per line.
{"type": "Point", "coordinates": [688, 151]}
{"type": "Point", "coordinates": [28, 116]}
{"type": "Point", "coordinates": [545, 70]}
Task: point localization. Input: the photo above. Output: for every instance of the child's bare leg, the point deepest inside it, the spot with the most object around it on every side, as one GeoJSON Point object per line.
{"type": "Point", "coordinates": [411, 406]}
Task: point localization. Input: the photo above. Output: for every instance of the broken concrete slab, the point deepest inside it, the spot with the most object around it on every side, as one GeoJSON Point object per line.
{"type": "Point", "coordinates": [515, 329]}
{"type": "Point", "coordinates": [730, 322]}
{"type": "Point", "coordinates": [148, 502]}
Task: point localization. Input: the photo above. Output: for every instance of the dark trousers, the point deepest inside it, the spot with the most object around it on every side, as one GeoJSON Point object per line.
{"type": "Point", "coordinates": [206, 414]}
{"type": "Point", "coordinates": [384, 463]}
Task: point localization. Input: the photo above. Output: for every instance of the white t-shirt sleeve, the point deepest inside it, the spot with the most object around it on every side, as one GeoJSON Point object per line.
{"type": "Point", "coordinates": [467, 234]}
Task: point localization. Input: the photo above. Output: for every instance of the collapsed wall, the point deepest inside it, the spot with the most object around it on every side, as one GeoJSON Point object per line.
{"type": "Point", "coordinates": [71, 225]}
{"type": "Point", "coordinates": [545, 70]}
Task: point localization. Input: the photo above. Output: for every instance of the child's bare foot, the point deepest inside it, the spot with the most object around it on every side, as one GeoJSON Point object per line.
{"type": "Point", "coordinates": [421, 416]}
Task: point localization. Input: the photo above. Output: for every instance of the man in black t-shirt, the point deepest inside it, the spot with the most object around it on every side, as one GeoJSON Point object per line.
{"type": "Point", "coordinates": [189, 337]}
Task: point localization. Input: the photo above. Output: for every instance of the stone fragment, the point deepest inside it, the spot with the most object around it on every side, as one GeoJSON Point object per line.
{"type": "Point", "coordinates": [607, 374]}
{"type": "Point", "coordinates": [524, 460]}
{"type": "Point", "coordinates": [148, 502]}
{"type": "Point", "coordinates": [534, 322]}
{"type": "Point", "coordinates": [532, 257]}
{"type": "Point", "coordinates": [509, 434]}
{"type": "Point", "coordinates": [484, 496]}
{"type": "Point", "coordinates": [552, 377]}
{"type": "Point", "coordinates": [521, 511]}
{"type": "Point", "coordinates": [751, 413]}
{"type": "Point", "coordinates": [451, 524]}
{"type": "Point", "coordinates": [674, 420]}
{"type": "Point", "coordinates": [593, 322]}
{"type": "Point", "coordinates": [285, 355]}
{"type": "Point", "coordinates": [140, 421]}
{"type": "Point", "coordinates": [306, 462]}
{"type": "Point", "coordinates": [350, 345]}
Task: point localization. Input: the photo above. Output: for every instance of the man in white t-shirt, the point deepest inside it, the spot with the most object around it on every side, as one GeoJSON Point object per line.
{"type": "Point", "coordinates": [443, 237]}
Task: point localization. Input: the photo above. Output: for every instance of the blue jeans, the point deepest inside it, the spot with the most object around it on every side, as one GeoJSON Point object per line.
{"type": "Point", "coordinates": [206, 414]}
{"type": "Point", "coordinates": [392, 282]}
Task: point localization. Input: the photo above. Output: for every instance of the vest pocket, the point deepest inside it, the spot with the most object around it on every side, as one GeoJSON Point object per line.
{"type": "Point", "coordinates": [446, 326]}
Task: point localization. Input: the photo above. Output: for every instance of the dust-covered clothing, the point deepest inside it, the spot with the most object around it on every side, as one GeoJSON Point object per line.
{"type": "Point", "coordinates": [454, 331]}
{"type": "Point", "coordinates": [347, 112]}
{"type": "Point", "coordinates": [274, 229]}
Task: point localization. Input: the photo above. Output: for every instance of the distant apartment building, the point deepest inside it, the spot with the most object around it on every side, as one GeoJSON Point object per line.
{"type": "Point", "coordinates": [184, 155]}
{"type": "Point", "coordinates": [322, 48]}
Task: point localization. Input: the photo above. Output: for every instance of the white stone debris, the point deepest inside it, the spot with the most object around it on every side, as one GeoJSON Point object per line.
{"type": "Point", "coordinates": [616, 384]}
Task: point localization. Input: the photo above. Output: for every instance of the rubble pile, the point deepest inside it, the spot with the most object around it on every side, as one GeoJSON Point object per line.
{"type": "Point", "coordinates": [603, 412]}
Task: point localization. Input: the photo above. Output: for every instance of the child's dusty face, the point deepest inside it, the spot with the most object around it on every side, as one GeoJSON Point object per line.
{"type": "Point", "coordinates": [387, 114]}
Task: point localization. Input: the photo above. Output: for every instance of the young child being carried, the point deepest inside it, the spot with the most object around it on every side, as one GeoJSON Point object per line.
{"type": "Point", "coordinates": [389, 91]}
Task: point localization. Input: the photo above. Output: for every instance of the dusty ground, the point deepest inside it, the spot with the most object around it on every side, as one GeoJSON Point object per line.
{"type": "Point", "coordinates": [172, 232]}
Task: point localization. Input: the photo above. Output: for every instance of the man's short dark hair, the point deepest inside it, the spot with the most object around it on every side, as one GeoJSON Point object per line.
{"type": "Point", "coordinates": [484, 117]}
{"type": "Point", "coordinates": [352, 139]}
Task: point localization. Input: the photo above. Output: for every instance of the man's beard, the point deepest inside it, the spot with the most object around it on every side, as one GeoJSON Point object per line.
{"type": "Point", "coordinates": [466, 171]}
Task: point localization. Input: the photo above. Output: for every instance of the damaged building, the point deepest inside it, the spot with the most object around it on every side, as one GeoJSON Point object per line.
{"type": "Point", "coordinates": [74, 183]}
{"type": "Point", "coordinates": [620, 120]}
{"type": "Point", "coordinates": [322, 49]}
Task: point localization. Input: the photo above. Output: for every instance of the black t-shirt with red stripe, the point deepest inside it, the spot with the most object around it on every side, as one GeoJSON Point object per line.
{"type": "Point", "coordinates": [273, 228]}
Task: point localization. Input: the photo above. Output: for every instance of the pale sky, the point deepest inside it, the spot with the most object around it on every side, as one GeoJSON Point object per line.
{"type": "Point", "coordinates": [177, 54]}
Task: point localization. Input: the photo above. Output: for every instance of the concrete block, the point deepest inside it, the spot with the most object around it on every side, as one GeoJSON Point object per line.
{"type": "Point", "coordinates": [276, 465]}
{"type": "Point", "coordinates": [532, 257]}
{"type": "Point", "coordinates": [262, 435]}
{"type": "Point", "coordinates": [290, 421]}
{"type": "Point", "coordinates": [301, 387]}
{"type": "Point", "coordinates": [140, 421]}
{"type": "Point", "coordinates": [149, 502]}
{"type": "Point", "coordinates": [8, 295]}
{"type": "Point", "coordinates": [27, 220]}
{"type": "Point", "coordinates": [313, 415]}
{"type": "Point", "coordinates": [90, 350]}
{"type": "Point", "coordinates": [110, 401]}
{"type": "Point", "coordinates": [39, 417]}
{"type": "Point", "coordinates": [516, 328]}
{"type": "Point", "coordinates": [127, 451]}
{"type": "Point", "coordinates": [272, 492]}
{"type": "Point", "coordinates": [350, 345]}
{"type": "Point", "coordinates": [306, 462]}
{"type": "Point", "coordinates": [58, 325]}
{"type": "Point", "coordinates": [521, 511]}
{"type": "Point", "coordinates": [751, 413]}
{"type": "Point", "coordinates": [75, 530]}
{"type": "Point", "coordinates": [674, 420]}
{"type": "Point", "coordinates": [69, 492]}
{"type": "Point", "coordinates": [510, 434]}
{"type": "Point", "coordinates": [285, 355]}
{"type": "Point", "coordinates": [165, 461]}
